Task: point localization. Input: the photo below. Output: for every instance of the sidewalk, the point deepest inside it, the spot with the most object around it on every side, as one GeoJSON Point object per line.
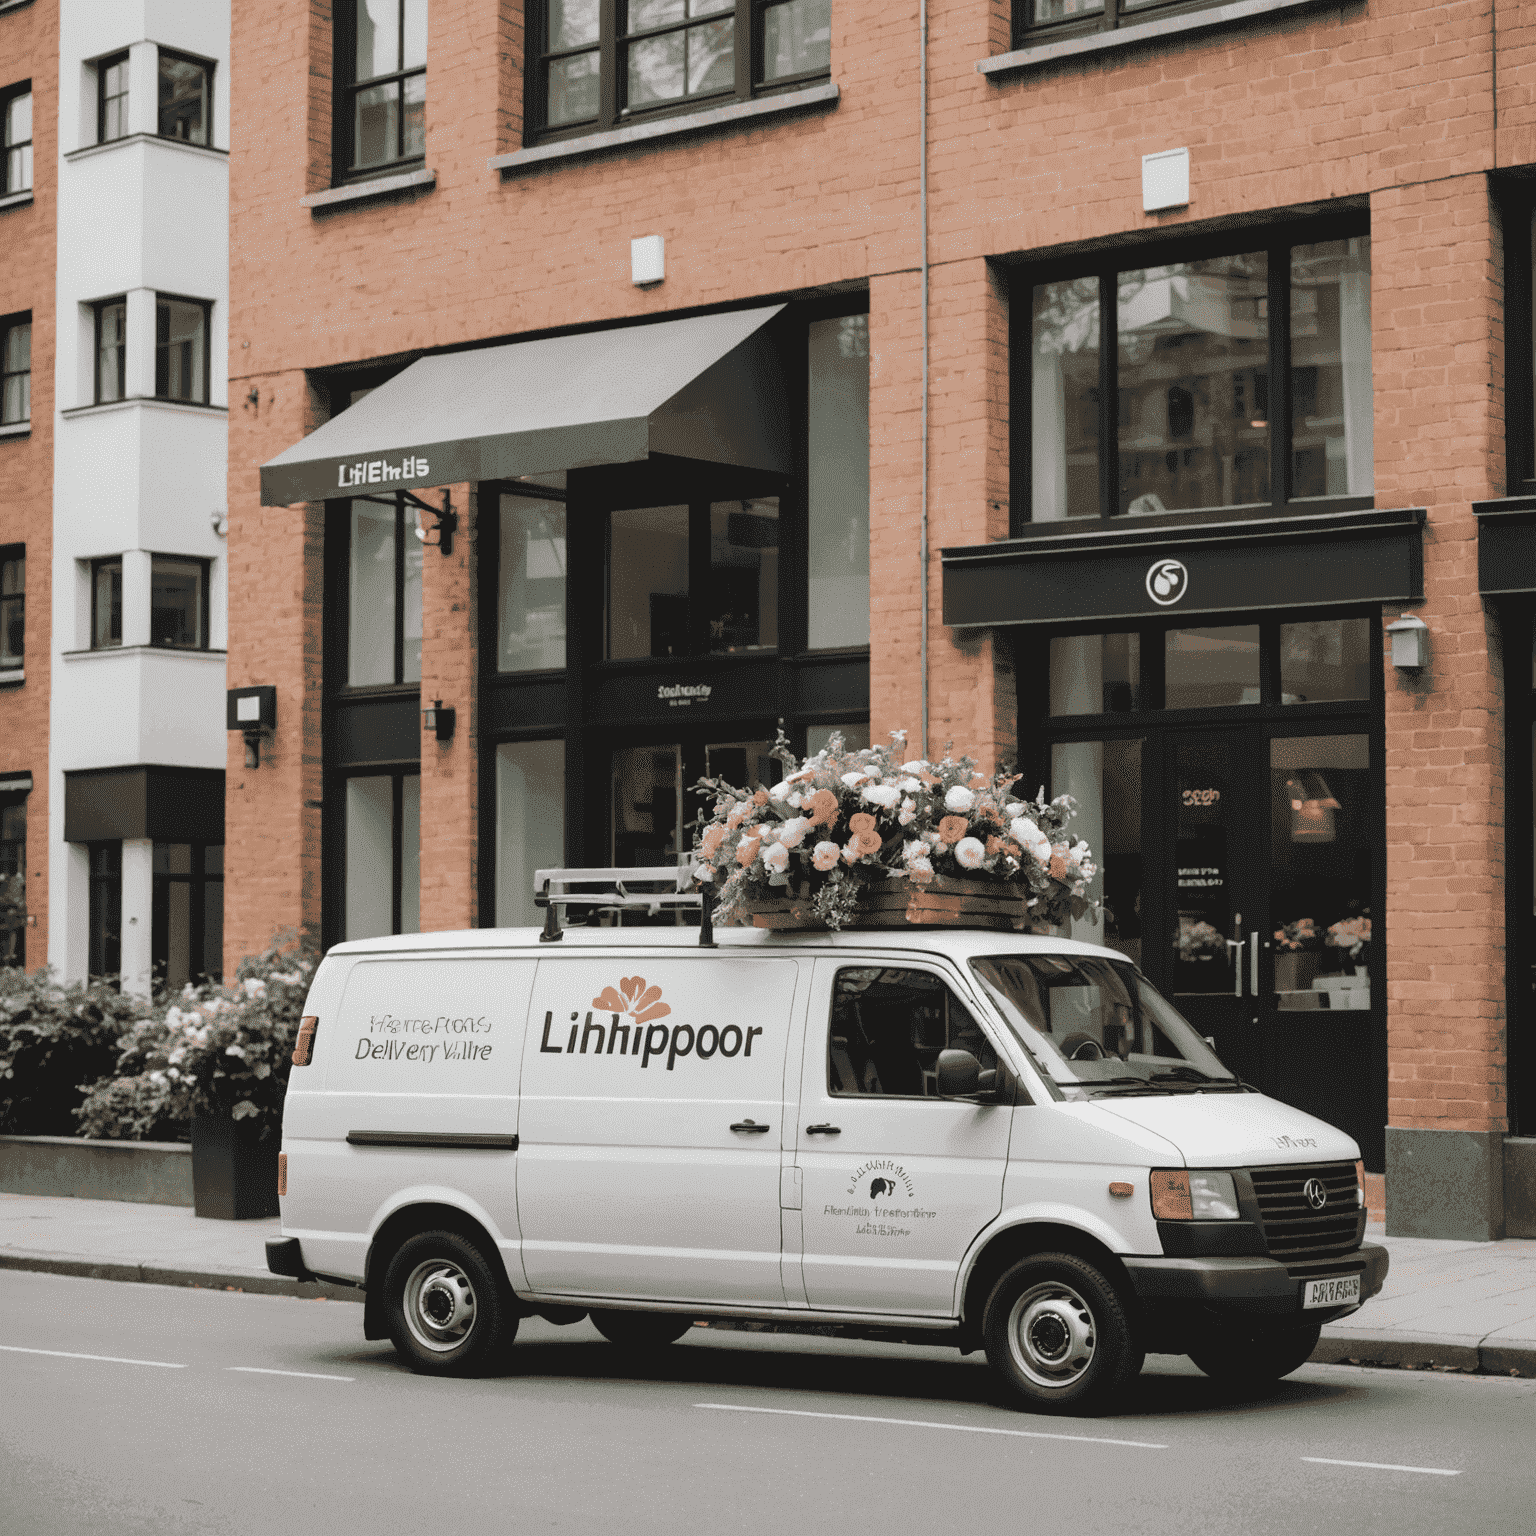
{"type": "Point", "coordinates": [1446, 1305]}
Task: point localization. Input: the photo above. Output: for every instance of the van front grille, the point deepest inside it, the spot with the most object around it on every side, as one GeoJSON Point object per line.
{"type": "Point", "coordinates": [1293, 1227]}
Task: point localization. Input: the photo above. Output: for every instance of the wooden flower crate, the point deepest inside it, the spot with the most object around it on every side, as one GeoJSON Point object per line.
{"type": "Point", "coordinates": [946, 902]}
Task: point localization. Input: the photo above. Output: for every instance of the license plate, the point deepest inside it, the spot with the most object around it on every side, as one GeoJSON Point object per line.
{"type": "Point", "coordinates": [1340, 1291]}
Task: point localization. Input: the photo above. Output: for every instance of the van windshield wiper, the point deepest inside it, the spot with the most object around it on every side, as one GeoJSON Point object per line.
{"type": "Point", "coordinates": [1131, 1084]}
{"type": "Point", "coordinates": [1195, 1077]}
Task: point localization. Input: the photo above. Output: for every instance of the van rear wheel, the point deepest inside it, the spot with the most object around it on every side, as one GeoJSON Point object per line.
{"type": "Point", "coordinates": [448, 1312]}
{"type": "Point", "coordinates": [1057, 1332]}
{"type": "Point", "coordinates": [1249, 1358]}
{"type": "Point", "coordinates": [641, 1330]}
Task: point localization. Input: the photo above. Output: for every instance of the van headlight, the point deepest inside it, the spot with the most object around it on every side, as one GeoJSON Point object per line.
{"type": "Point", "coordinates": [1193, 1194]}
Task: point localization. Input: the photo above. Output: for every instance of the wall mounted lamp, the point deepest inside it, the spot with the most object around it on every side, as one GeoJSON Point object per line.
{"type": "Point", "coordinates": [1410, 643]}
{"type": "Point", "coordinates": [253, 712]}
{"type": "Point", "coordinates": [439, 720]}
{"type": "Point", "coordinates": [446, 521]}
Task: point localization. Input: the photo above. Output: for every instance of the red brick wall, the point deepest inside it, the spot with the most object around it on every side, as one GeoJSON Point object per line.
{"type": "Point", "coordinates": [29, 48]}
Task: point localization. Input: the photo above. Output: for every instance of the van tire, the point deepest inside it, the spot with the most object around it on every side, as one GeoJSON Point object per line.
{"type": "Point", "coordinates": [448, 1312]}
{"type": "Point", "coordinates": [1056, 1330]}
{"type": "Point", "coordinates": [641, 1330]}
{"type": "Point", "coordinates": [1254, 1358]}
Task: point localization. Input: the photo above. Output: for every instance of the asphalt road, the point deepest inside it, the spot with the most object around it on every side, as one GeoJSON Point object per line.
{"type": "Point", "coordinates": [136, 1408]}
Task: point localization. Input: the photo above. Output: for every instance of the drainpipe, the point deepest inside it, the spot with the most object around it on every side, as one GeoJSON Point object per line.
{"type": "Point", "coordinates": [922, 184]}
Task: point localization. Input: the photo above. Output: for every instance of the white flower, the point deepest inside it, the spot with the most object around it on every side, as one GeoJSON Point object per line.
{"type": "Point", "coordinates": [254, 986]}
{"type": "Point", "coordinates": [917, 765]}
{"type": "Point", "coordinates": [909, 785]}
{"type": "Point", "coordinates": [884, 795]}
{"type": "Point", "coordinates": [853, 780]}
{"type": "Point", "coordinates": [158, 1079]}
{"type": "Point", "coordinates": [1029, 836]}
{"type": "Point", "coordinates": [931, 838]}
{"type": "Point", "coordinates": [959, 799]}
{"type": "Point", "coordinates": [704, 873]}
{"type": "Point", "coordinates": [906, 818]}
{"type": "Point", "coordinates": [970, 851]}
{"type": "Point", "coordinates": [780, 791]}
{"type": "Point", "coordinates": [776, 858]}
{"type": "Point", "coordinates": [234, 1050]}
{"type": "Point", "coordinates": [797, 801]}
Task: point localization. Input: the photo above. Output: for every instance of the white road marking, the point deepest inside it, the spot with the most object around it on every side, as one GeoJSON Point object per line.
{"type": "Point", "coordinates": [1385, 1466]}
{"type": "Point", "coordinates": [261, 1370]}
{"type": "Point", "coordinates": [974, 1429]}
{"type": "Point", "coordinates": [65, 1354]}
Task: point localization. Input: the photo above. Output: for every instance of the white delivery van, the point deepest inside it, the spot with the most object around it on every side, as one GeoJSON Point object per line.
{"type": "Point", "coordinates": [958, 1137]}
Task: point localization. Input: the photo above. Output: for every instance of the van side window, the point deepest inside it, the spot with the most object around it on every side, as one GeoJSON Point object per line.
{"type": "Point", "coordinates": [888, 1027]}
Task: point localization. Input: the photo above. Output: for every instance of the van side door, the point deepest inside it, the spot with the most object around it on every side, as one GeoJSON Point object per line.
{"type": "Point", "coordinates": [895, 1181]}
{"type": "Point", "coordinates": [654, 1107]}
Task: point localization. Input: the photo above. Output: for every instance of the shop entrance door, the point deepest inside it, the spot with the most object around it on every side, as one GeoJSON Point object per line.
{"type": "Point", "coordinates": [1268, 871]}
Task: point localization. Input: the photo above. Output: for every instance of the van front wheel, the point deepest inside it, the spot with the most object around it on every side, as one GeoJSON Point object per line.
{"type": "Point", "coordinates": [1057, 1332]}
{"type": "Point", "coordinates": [448, 1314]}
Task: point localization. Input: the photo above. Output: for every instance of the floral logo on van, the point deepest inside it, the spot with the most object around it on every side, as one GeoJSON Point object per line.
{"type": "Point", "coordinates": [641, 1002]}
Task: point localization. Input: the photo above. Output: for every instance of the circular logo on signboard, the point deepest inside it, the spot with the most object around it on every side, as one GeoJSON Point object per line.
{"type": "Point", "coordinates": [1167, 582]}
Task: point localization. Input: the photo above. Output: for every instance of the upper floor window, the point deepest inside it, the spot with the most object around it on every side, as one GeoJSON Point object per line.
{"type": "Point", "coordinates": [106, 603]}
{"type": "Point", "coordinates": [112, 98]}
{"type": "Point", "coordinates": [111, 350]}
{"type": "Point", "coordinates": [1224, 380]}
{"type": "Point", "coordinates": [1036, 21]}
{"type": "Point", "coordinates": [181, 349]}
{"type": "Point", "coordinates": [16, 113]}
{"type": "Point", "coordinates": [13, 608]}
{"type": "Point", "coordinates": [186, 98]}
{"type": "Point", "coordinates": [15, 370]}
{"type": "Point", "coordinates": [178, 603]}
{"type": "Point", "coordinates": [381, 48]}
{"type": "Point", "coordinates": [599, 64]}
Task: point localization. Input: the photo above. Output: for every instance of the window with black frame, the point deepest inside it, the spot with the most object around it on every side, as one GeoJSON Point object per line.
{"type": "Point", "coordinates": [1040, 21]}
{"type": "Point", "coordinates": [16, 131]}
{"type": "Point", "coordinates": [381, 77]}
{"type": "Point", "coordinates": [106, 603]}
{"type": "Point", "coordinates": [186, 98]}
{"type": "Point", "coordinates": [13, 608]}
{"type": "Point", "coordinates": [15, 370]}
{"type": "Point", "coordinates": [181, 349]}
{"type": "Point", "coordinates": [13, 877]}
{"type": "Point", "coordinates": [111, 350]}
{"type": "Point", "coordinates": [600, 64]}
{"type": "Point", "coordinates": [104, 935]}
{"type": "Point", "coordinates": [112, 98]}
{"type": "Point", "coordinates": [1152, 387]}
{"type": "Point", "coordinates": [187, 913]}
{"type": "Point", "coordinates": [384, 560]}
{"type": "Point", "coordinates": [178, 606]}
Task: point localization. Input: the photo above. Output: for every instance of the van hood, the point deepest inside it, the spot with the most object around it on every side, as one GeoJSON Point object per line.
{"type": "Point", "coordinates": [1235, 1130]}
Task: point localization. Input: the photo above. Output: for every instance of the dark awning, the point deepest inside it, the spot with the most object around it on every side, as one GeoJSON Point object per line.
{"type": "Point", "coordinates": [1506, 546]}
{"type": "Point", "coordinates": [1065, 573]}
{"type": "Point", "coordinates": [169, 805]}
{"type": "Point", "coordinates": [709, 389]}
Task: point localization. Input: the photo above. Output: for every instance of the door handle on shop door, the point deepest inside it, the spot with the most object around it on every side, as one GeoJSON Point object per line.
{"type": "Point", "coordinates": [823, 1130]}
{"type": "Point", "coordinates": [748, 1125]}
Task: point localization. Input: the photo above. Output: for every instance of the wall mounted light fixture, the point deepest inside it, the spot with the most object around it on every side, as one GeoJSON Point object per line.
{"type": "Point", "coordinates": [1410, 643]}
{"type": "Point", "coordinates": [439, 720]}
{"type": "Point", "coordinates": [253, 712]}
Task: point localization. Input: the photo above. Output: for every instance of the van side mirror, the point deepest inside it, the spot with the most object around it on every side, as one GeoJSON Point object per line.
{"type": "Point", "coordinates": [958, 1074]}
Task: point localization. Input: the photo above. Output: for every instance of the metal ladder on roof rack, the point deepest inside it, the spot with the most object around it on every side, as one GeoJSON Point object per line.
{"type": "Point", "coordinates": [610, 890]}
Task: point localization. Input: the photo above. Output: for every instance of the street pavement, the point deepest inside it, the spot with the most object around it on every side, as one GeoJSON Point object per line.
{"type": "Point", "coordinates": [147, 1408]}
{"type": "Point", "coordinates": [1451, 1305]}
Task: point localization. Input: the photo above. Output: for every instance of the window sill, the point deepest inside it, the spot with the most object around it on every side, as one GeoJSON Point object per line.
{"type": "Point", "coordinates": [180, 145]}
{"type": "Point", "coordinates": [13, 678]}
{"type": "Point", "coordinates": [365, 191]}
{"type": "Point", "coordinates": [99, 652]}
{"type": "Point", "coordinates": [667, 128]}
{"type": "Point", "coordinates": [16, 200]}
{"type": "Point", "coordinates": [16, 429]}
{"type": "Point", "coordinates": [1119, 38]}
{"type": "Point", "coordinates": [189, 407]}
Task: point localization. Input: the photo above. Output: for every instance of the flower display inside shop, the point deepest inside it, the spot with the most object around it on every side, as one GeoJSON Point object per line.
{"type": "Point", "coordinates": [1299, 935]}
{"type": "Point", "coordinates": [1351, 934]}
{"type": "Point", "coordinates": [844, 821]}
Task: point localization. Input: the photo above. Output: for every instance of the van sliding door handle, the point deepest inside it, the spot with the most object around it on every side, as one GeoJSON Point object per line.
{"type": "Point", "coordinates": [823, 1130]}
{"type": "Point", "coordinates": [748, 1125]}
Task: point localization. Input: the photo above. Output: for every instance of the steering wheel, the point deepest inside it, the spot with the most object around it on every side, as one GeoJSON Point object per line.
{"type": "Point", "coordinates": [1081, 1047]}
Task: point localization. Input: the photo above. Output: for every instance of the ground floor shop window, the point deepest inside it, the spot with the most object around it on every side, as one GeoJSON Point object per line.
{"type": "Point", "coordinates": [187, 932]}
{"type": "Point", "coordinates": [383, 855]}
{"type": "Point", "coordinates": [13, 879]}
{"type": "Point", "coordinates": [105, 911]}
{"type": "Point", "coordinates": [530, 824]}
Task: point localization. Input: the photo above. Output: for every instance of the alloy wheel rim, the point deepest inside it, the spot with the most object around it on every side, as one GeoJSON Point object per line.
{"type": "Point", "coordinates": [1052, 1335]}
{"type": "Point", "coordinates": [439, 1305]}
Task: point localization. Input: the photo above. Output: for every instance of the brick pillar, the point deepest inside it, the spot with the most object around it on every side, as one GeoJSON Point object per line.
{"type": "Point", "coordinates": [1439, 428]}
{"type": "Point", "coordinates": [450, 659]}
{"type": "Point", "coordinates": [276, 587]}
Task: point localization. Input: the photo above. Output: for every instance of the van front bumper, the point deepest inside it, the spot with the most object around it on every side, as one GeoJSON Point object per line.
{"type": "Point", "coordinates": [285, 1257]}
{"type": "Point", "coordinates": [1264, 1287]}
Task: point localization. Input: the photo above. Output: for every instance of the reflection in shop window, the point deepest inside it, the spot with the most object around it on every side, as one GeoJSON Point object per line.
{"type": "Point", "coordinates": [383, 855]}
{"type": "Point", "coordinates": [383, 597]}
{"type": "Point", "coordinates": [648, 582]}
{"type": "Point", "coordinates": [1104, 777]}
{"type": "Point", "coordinates": [1064, 402]}
{"type": "Point", "coordinates": [837, 482]}
{"type": "Point", "coordinates": [1095, 674]}
{"type": "Point", "coordinates": [1209, 667]}
{"type": "Point", "coordinates": [1332, 452]}
{"type": "Point", "coordinates": [105, 910]}
{"type": "Point", "coordinates": [1326, 660]}
{"type": "Point", "coordinates": [742, 764]}
{"type": "Point", "coordinates": [1321, 861]}
{"type": "Point", "coordinates": [647, 806]}
{"type": "Point", "coordinates": [187, 913]}
{"type": "Point", "coordinates": [531, 625]}
{"type": "Point", "coordinates": [855, 736]}
{"type": "Point", "coordinates": [530, 824]}
{"type": "Point", "coordinates": [743, 597]}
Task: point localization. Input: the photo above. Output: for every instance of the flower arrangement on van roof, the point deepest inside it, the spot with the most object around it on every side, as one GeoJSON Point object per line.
{"type": "Point", "coordinates": [843, 821]}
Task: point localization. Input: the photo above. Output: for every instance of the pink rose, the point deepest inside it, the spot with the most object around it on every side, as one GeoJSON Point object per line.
{"type": "Point", "coordinates": [825, 855]}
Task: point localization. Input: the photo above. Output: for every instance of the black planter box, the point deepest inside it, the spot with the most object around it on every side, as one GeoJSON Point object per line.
{"type": "Point", "coordinates": [234, 1172]}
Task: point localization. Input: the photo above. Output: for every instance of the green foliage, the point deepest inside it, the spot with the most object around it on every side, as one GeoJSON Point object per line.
{"type": "Point", "coordinates": [54, 1039]}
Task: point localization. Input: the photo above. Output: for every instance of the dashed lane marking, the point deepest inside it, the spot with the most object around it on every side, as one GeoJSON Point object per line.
{"type": "Point", "coordinates": [67, 1354]}
{"type": "Point", "coordinates": [1385, 1466]}
{"type": "Point", "coordinates": [262, 1370]}
{"type": "Point", "coordinates": [973, 1429]}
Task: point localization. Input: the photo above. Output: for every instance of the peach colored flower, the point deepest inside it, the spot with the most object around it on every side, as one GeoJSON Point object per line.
{"type": "Point", "coordinates": [738, 814]}
{"type": "Point", "coordinates": [861, 821]}
{"type": "Point", "coordinates": [994, 845]}
{"type": "Point", "coordinates": [953, 828]}
{"type": "Point", "coordinates": [709, 844]}
{"type": "Point", "coordinates": [824, 855]}
{"type": "Point", "coordinates": [867, 842]}
{"type": "Point", "coordinates": [641, 1002]}
{"type": "Point", "coordinates": [748, 851]}
{"type": "Point", "coordinates": [1057, 867]}
{"type": "Point", "coordinates": [823, 807]}
{"type": "Point", "coordinates": [760, 798]}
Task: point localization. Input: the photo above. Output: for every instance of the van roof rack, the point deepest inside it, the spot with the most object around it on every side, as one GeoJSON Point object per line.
{"type": "Point", "coordinates": [609, 890]}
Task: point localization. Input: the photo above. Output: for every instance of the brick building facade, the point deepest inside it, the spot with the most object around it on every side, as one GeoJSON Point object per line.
{"type": "Point", "coordinates": [1315, 412]}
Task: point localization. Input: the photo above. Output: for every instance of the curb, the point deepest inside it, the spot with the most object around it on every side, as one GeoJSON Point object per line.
{"type": "Point", "coordinates": [1485, 1358]}
{"type": "Point", "coordinates": [197, 1279]}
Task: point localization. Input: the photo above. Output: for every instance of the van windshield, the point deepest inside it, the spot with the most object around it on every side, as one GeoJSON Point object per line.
{"type": "Point", "coordinates": [1098, 1027]}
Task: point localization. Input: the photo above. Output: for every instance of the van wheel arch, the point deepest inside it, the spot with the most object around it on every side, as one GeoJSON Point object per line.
{"type": "Point", "coordinates": [398, 1228]}
{"type": "Point", "coordinates": [1006, 1248]}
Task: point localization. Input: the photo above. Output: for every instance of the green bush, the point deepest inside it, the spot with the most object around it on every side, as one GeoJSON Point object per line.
{"type": "Point", "coordinates": [55, 1038]}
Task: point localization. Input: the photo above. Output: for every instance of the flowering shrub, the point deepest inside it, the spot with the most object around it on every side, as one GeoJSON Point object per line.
{"type": "Point", "coordinates": [1350, 933]}
{"type": "Point", "coordinates": [843, 821]}
{"type": "Point", "coordinates": [217, 1050]}
{"type": "Point", "coordinates": [1299, 935]}
{"type": "Point", "coordinates": [1198, 940]}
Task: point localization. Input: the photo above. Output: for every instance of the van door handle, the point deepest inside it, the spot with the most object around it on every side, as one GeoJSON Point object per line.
{"type": "Point", "coordinates": [823, 1130]}
{"type": "Point", "coordinates": [748, 1125]}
